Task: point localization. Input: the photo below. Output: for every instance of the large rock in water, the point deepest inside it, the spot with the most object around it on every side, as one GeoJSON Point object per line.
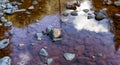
{"type": "Point", "coordinates": [69, 56]}
{"type": "Point", "coordinates": [4, 43]}
{"type": "Point", "coordinates": [5, 61]}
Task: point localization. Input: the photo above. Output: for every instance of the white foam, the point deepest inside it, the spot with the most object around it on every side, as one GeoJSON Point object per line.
{"type": "Point", "coordinates": [81, 22]}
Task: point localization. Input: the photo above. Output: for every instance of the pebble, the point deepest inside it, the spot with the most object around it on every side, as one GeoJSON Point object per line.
{"type": "Point", "coordinates": [31, 8]}
{"type": "Point", "coordinates": [38, 36]}
{"type": "Point", "coordinates": [117, 3]}
{"type": "Point", "coordinates": [4, 43]}
{"type": "Point", "coordinates": [86, 10]}
{"type": "Point", "coordinates": [35, 2]}
{"type": "Point", "coordinates": [43, 52]}
{"type": "Point", "coordinates": [74, 13]}
{"type": "Point", "coordinates": [69, 56]}
{"type": "Point", "coordinates": [3, 19]}
{"type": "Point", "coordinates": [49, 61]}
{"type": "Point", "coordinates": [65, 13]}
{"type": "Point", "coordinates": [5, 60]}
{"type": "Point", "coordinates": [8, 24]}
{"type": "Point", "coordinates": [28, 13]}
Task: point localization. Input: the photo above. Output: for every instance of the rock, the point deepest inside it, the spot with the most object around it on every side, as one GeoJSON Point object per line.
{"type": "Point", "coordinates": [90, 16]}
{"type": "Point", "coordinates": [3, 19]}
{"type": "Point", "coordinates": [99, 54]}
{"type": "Point", "coordinates": [70, 6]}
{"type": "Point", "coordinates": [5, 61]}
{"type": "Point", "coordinates": [49, 28]}
{"type": "Point", "coordinates": [35, 2]}
{"type": "Point", "coordinates": [117, 15]}
{"type": "Point", "coordinates": [31, 8]}
{"type": "Point", "coordinates": [117, 3]}
{"type": "Point", "coordinates": [8, 6]}
{"type": "Point", "coordinates": [65, 13]}
{"type": "Point", "coordinates": [101, 14]}
{"type": "Point", "coordinates": [86, 10]}
{"type": "Point", "coordinates": [57, 32]}
{"type": "Point", "coordinates": [28, 13]}
{"type": "Point", "coordinates": [109, 2]}
{"type": "Point", "coordinates": [74, 13]}
{"type": "Point", "coordinates": [77, 3]}
{"type": "Point", "coordinates": [4, 43]}
{"type": "Point", "coordinates": [21, 10]}
{"type": "Point", "coordinates": [1, 14]}
{"type": "Point", "coordinates": [15, 3]}
{"type": "Point", "coordinates": [69, 56]}
{"type": "Point", "coordinates": [8, 11]}
{"type": "Point", "coordinates": [64, 19]}
{"type": "Point", "coordinates": [43, 52]}
{"type": "Point", "coordinates": [8, 24]}
{"type": "Point", "coordinates": [49, 61]}
{"type": "Point", "coordinates": [38, 36]}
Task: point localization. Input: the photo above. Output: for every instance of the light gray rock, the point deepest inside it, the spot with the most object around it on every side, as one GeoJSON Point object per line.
{"type": "Point", "coordinates": [38, 36]}
{"type": "Point", "coordinates": [31, 8]}
{"type": "Point", "coordinates": [7, 24]}
{"type": "Point", "coordinates": [5, 60]}
{"type": "Point", "coordinates": [8, 11]}
{"type": "Point", "coordinates": [3, 19]}
{"type": "Point", "coordinates": [8, 6]}
{"type": "Point", "coordinates": [117, 3]}
{"type": "Point", "coordinates": [43, 52]}
{"type": "Point", "coordinates": [4, 43]}
{"type": "Point", "coordinates": [69, 56]}
{"type": "Point", "coordinates": [49, 61]}
{"type": "Point", "coordinates": [28, 13]}
{"type": "Point", "coordinates": [35, 2]}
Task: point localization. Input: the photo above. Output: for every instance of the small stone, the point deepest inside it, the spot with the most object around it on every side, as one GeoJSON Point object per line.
{"type": "Point", "coordinates": [49, 61]}
{"type": "Point", "coordinates": [99, 54]}
{"type": "Point", "coordinates": [117, 15]}
{"type": "Point", "coordinates": [38, 36]}
{"type": "Point", "coordinates": [5, 60]}
{"type": "Point", "coordinates": [56, 32]}
{"type": "Point", "coordinates": [35, 2]}
{"type": "Point", "coordinates": [86, 10]}
{"type": "Point", "coordinates": [49, 28]}
{"type": "Point", "coordinates": [65, 13]}
{"type": "Point", "coordinates": [69, 56]}
{"type": "Point", "coordinates": [74, 13]}
{"type": "Point", "coordinates": [43, 52]}
{"type": "Point", "coordinates": [8, 24]}
{"type": "Point", "coordinates": [21, 45]}
{"type": "Point", "coordinates": [4, 43]}
{"type": "Point", "coordinates": [28, 13]}
{"type": "Point", "coordinates": [31, 8]}
{"type": "Point", "coordinates": [3, 19]}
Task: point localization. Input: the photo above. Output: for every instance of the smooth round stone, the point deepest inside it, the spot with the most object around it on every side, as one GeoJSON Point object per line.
{"type": "Point", "coordinates": [74, 13]}
{"type": "Point", "coordinates": [65, 13]}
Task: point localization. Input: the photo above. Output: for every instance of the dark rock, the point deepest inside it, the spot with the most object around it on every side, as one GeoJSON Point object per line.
{"type": "Point", "coordinates": [77, 3]}
{"type": "Point", "coordinates": [8, 24]}
{"type": "Point", "coordinates": [70, 6]}
{"type": "Point", "coordinates": [15, 3]}
{"type": "Point", "coordinates": [35, 2]}
{"type": "Point", "coordinates": [86, 10]}
{"type": "Point", "coordinates": [74, 13]}
{"type": "Point", "coordinates": [5, 61]}
{"type": "Point", "coordinates": [4, 43]}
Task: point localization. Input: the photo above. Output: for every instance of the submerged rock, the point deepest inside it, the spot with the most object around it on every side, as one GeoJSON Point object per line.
{"type": "Point", "coordinates": [43, 52]}
{"type": "Point", "coordinates": [5, 61]}
{"type": "Point", "coordinates": [4, 43]}
{"type": "Point", "coordinates": [69, 56]}
{"type": "Point", "coordinates": [49, 61]}
{"type": "Point", "coordinates": [38, 36]}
